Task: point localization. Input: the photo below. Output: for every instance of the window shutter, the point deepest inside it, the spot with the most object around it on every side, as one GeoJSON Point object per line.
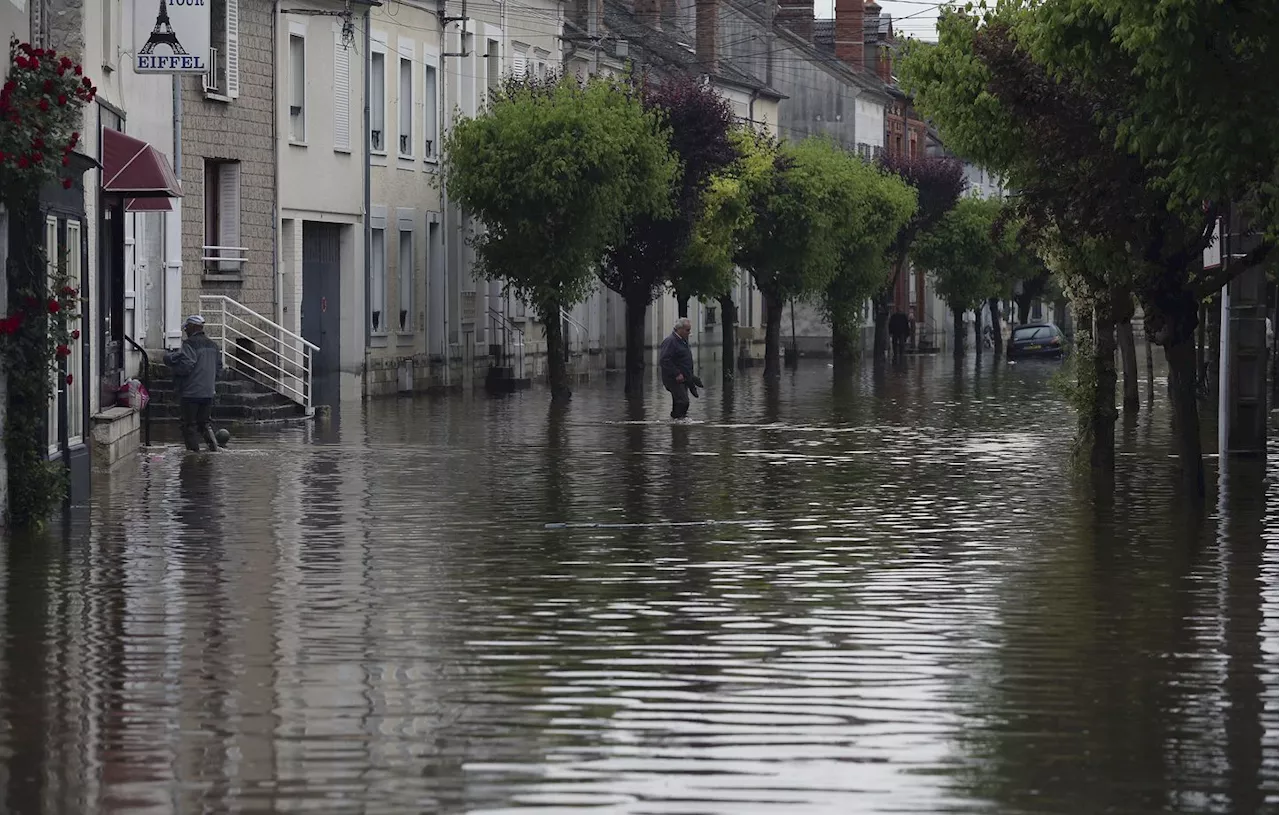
{"type": "Point", "coordinates": [233, 48]}
{"type": "Point", "coordinates": [341, 95]}
{"type": "Point", "coordinates": [229, 215]}
{"type": "Point", "coordinates": [520, 63]}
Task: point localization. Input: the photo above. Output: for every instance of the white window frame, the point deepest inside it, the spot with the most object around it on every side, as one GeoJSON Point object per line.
{"type": "Point", "coordinates": [75, 364]}
{"type": "Point", "coordinates": [112, 11]}
{"type": "Point", "coordinates": [51, 268]}
{"type": "Point", "coordinates": [297, 86]}
{"type": "Point", "coordinates": [378, 107]}
{"type": "Point", "coordinates": [406, 54]}
{"type": "Point", "coordinates": [406, 279]}
{"type": "Point", "coordinates": [227, 256]}
{"type": "Point", "coordinates": [378, 272]}
{"type": "Point", "coordinates": [431, 106]}
{"type": "Point", "coordinates": [341, 94]}
{"type": "Point", "coordinates": [520, 62]}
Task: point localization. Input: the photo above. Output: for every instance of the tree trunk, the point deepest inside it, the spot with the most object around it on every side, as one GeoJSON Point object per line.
{"type": "Point", "coordinates": [1202, 368]}
{"type": "Point", "coordinates": [728, 340]}
{"type": "Point", "coordinates": [636, 312]}
{"type": "Point", "coordinates": [977, 331]}
{"type": "Point", "coordinates": [1023, 302]}
{"type": "Point", "coordinates": [1151, 375]}
{"type": "Point", "coordinates": [997, 341]}
{"type": "Point", "coordinates": [772, 336]}
{"type": "Point", "coordinates": [1186, 414]}
{"type": "Point", "coordinates": [557, 367]}
{"type": "Point", "coordinates": [842, 342]}
{"type": "Point", "coordinates": [880, 314]}
{"type": "Point", "coordinates": [1102, 416]}
{"type": "Point", "coordinates": [1129, 363]}
{"type": "Point", "coordinates": [682, 306]}
{"type": "Point", "coordinates": [957, 332]}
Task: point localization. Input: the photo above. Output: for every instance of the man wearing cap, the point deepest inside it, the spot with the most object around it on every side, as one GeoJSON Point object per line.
{"type": "Point", "coordinates": [196, 366]}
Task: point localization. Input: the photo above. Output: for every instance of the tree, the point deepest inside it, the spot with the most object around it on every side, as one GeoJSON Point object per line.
{"type": "Point", "coordinates": [706, 269]}
{"type": "Point", "coordinates": [869, 208]}
{"type": "Point", "coordinates": [1019, 273]}
{"type": "Point", "coordinates": [1053, 133]}
{"type": "Point", "coordinates": [959, 251]}
{"type": "Point", "coordinates": [939, 183]}
{"type": "Point", "coordinates": [698, 122]}
{"type": "Point", "coordinates": [792, 249]}
{"type": "Point", "coordinates": [555, 170]}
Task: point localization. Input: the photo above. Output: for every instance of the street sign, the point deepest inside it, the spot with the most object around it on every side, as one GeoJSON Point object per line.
{"type": "Point", "coordinates": [171, 36]}
{"type": "Point", "coordinates": [1213, 252]}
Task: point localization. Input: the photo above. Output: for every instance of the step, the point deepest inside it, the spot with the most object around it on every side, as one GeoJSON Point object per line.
{"type": "Point", "coordinates": [232, 413]}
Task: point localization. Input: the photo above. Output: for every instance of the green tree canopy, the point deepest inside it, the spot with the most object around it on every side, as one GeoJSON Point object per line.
{"type": "Point", "coordinates": [960, 253]}
{"type": "Point", "coordinates": [555, 171]}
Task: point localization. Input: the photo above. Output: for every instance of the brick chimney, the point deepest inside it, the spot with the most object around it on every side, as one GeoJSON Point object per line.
{"type": "Point", "coordinates": [796, 16]}
{"type": "Point", "coordinates": [648, 12]}
{"type": "Point", "coordinates": [850, 34]}
{"type": "Point", "coordinates": [705, 36]}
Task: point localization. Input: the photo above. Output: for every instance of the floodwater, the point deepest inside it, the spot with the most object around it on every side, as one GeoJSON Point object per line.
{"type": "Point", "coordinates": [885, 595]}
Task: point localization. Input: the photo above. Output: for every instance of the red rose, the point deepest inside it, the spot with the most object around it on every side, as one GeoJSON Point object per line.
{"type": "Point", "coordinates": [48, 86]}
{"type": "Point", "coordinates": [75, 137]}
{"type": "Point", "coordinates": [39, 52]}
{"type": "Point", "coordinates": [10, 86]}
{"type": "Point", "coordinates": [54, 306]}
{"type": "Point", "coordinates": [70, 379]}
{"type": "Point", "coordinates": [66, 183]}
{"type": "Point", "coordinates": [37, 158]}
{"type": "Point", "coordinates": [63, 351]}
{"type": "Point", "coordinates": [61, 71]}
{"type": "Point", "coordinates": [16, 119]}
{"type": "Point", "coordinates": [34, 64]}
{"type": "Point", "coordinates": [79, 70]}
{"type": "Point", "coordinates": [51, 54]}
{"type": "Point", "coordinates": [75, 335]}
{"type": "Point", "coordinates": [62, 99]}
{"type": "Point", "coordinates": [66, 162]}
{"type": "Point", "coordinates": [44, 105]}
{"type": "Point", "coordinates": [21, 62]}
{"type": "Point", "coordinates": [25, 48]}
{"type": "Point", "coordinates": [23, 162]}
{"type": "Point", "coordinates": [65, 62]}
{"type": "Point", "coordinates": [88, 83]}
{"type": "Point", "coordinates": [37, 143]}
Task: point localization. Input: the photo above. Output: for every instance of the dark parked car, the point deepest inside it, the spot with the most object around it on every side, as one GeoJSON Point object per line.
{"type": "Point", "coordinates": [1036, 341]}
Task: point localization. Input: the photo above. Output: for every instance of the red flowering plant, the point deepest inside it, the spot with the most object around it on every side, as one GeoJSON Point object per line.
{"type": "Point", "coordinates": [41, 110]}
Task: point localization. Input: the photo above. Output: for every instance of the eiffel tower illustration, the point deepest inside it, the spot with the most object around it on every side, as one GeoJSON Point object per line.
{"type": "Point", "coordinates": [163, 34]}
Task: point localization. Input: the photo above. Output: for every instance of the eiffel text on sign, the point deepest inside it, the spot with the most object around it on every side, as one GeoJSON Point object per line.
{"type": "Point", "coordinates": [171, 36]}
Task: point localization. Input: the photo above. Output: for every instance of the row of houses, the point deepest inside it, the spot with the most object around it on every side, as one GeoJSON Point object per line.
{"type": "Point", "coordinates": [303, 198]}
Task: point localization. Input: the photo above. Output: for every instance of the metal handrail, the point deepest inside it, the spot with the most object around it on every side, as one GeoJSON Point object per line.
{"type": "Point", "coordinates": [517, 344]}
{"type": "Point", "coordinates": [581, 330]}
{"type": "Point", "coordinates": [289, 374]}
{"type": "Point", "coordinates": [146, 385]}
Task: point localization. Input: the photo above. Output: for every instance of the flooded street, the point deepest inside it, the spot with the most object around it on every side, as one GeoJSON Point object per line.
{"type": "Point", "coordinates": [887, 595]}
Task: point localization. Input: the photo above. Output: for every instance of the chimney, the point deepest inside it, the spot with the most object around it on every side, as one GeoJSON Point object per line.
{"type": "Point", "coordinates": [850, 34]}
{"type": "Point", "coordinates": [705, 35]}
{"type": "Point", "coordinates": [796, 16]}
{"type": "Point", "coordinates": [647, 12]}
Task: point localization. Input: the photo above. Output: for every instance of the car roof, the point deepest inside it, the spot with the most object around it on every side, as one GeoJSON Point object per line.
{"type": "Point", "coordinates": [1034, 325]}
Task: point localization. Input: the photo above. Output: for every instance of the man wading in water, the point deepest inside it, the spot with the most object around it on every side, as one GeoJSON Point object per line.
{"type": "Point", "coordinates": [196, 366]}
{"type": "Point", "coordinates": [675, 360]}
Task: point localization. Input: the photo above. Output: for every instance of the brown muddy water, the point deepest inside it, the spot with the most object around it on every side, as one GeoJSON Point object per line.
{"type": "Point", "coordinates": [885, 595]}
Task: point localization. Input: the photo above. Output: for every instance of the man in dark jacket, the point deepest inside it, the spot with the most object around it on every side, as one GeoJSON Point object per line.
{"type": "Point", "coordinates": [675, 360]}
{"type": "Point", "coordinates": [899, 330]}
{"type": "Point", "coordinates": [196, 366]}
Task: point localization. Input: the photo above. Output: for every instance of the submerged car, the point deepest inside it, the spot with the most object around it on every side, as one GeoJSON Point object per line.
{"type": "Point", "coordinates": [1036, 341]}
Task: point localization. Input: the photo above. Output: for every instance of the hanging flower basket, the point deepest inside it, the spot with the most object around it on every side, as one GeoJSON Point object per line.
{"type": "Point", "coordinates": [41, 108]}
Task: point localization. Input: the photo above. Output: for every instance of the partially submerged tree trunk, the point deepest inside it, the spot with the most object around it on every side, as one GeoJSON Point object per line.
{"type": "Point", "coordinates": [997, 340]}
{"type": "Point", "coordinates": [881, 305]}
{"type": "Point", "coordinates": [957, 332]}
{"type": "Point", "coordinates": [1128, 351]}
{"type": "Point", "coordinates": [557, 367]}
{"type": "Point", "coordinates": [1151, 375]}
{"type": "Point", "coordinates": [1181, 355]}
{"type": "Point", "coordinates": [728, 340]}
{"type": "Point", "coordinates": [843, 342]}
{"type": "Point", "coordinates": [636, 312]}
{"type": "Point", "coordinates": [977, 331]}
{"type": "Point", "coordinates": [772, 336]}
{"type": "Point", "coordinates": [1102, 416]}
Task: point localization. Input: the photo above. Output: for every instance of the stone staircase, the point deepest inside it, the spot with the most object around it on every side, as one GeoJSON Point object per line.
{"type": "Point", "coordinates": [240, 400]}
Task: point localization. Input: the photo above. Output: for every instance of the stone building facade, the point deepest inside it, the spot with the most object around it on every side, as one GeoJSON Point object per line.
{"type": "Point", "coordinates": [229, 163]}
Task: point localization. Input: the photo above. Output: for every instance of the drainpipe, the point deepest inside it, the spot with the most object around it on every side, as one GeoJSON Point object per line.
{"type": "Point", "coordinates": [276, 272]}
{"type": "Point", "coordinates": [368, 182]}
{"type": "Point", "coordinates": [442, 101]}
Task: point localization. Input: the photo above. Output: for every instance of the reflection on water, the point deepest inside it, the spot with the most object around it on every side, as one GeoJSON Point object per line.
{"type": "Point", "coordinates": [907, 605]}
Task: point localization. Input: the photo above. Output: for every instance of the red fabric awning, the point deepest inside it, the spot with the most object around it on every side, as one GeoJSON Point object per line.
{"type": "Point", "coordinates": [147, 205]}
{"type": "Point", "coordinates": [134, 169]}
